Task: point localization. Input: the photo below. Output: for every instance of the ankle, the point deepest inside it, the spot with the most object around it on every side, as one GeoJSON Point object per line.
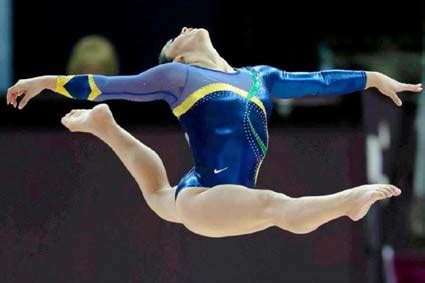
{"type": "Point", "coordinates": [344, 202]}
{"type": "Point", "coordinates": [106, 130]}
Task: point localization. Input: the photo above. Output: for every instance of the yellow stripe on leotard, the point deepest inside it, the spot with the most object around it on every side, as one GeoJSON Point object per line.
{"type": "Point", "coordinates": [60, 82]}
{"type": "Point", "coordinates": [95, 91]}
{"type": "Point", "coordinates": [208, 89]}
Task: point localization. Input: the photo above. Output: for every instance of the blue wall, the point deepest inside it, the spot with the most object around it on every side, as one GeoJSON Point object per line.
{"type": "Point", "coordinates": [5, 43]}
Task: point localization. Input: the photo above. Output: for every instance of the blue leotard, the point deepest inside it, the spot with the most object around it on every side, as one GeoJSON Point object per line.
{"type": "Point", "coordinates": [224, 115]}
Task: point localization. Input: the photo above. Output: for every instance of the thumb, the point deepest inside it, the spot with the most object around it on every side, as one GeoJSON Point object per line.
{"type": "Point", "coordinates": [24, 100]}
{"type": "Point", "coordinates": [396, 99]}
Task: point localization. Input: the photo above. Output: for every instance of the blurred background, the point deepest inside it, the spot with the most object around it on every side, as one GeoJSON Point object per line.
{"type": "Point", "coordinates": [70, 212]}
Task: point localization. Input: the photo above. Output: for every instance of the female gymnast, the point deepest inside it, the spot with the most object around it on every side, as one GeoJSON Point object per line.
{"type": "Point", "coordinates": [224, 112]}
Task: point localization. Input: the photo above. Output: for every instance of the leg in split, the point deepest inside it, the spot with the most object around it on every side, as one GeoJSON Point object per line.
{"type": "Point", "coordinates": [142, 162]}
{"type": "Point", "coordinates": [224, 210]}
{"type": "Point", "coordinates": [231, 210]}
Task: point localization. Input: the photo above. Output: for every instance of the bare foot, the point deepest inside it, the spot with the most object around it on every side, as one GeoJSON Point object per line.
{"type": "Point", "coordinates": [93, 121]}
{"type": "Point", "coordinates": [360, 199]}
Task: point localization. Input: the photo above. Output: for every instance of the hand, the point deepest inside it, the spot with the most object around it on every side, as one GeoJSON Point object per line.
{"type": "Point", "coordinates": [390, 87]}
{"type": "Point", "coordinates": [29, 88]}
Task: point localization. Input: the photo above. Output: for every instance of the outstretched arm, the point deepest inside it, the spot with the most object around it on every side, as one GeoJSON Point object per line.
{"type": "Point", "coordinates": [161, 82]}
{"type": "Point", "coordinates": [284, 84]}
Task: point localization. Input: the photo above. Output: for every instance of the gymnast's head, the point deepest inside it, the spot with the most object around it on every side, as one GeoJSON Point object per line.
{"type": "Point", "coordinates": [191, 46]}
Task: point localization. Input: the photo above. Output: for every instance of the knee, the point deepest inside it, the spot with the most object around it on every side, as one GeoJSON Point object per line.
{"type": "Point", "coordinates": [186, 206]}
{"type": "Point", "coordinates": [301, 229]}
{"type": "Point", "coordinates": [270, 203]}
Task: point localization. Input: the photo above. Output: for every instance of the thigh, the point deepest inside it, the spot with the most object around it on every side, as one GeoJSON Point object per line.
{"type": "Point", "coordinates": [225, 210]}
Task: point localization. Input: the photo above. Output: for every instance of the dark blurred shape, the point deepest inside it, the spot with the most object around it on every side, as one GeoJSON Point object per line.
{"type": "Point", "coordinates": [93, 54]}
{"type": "Point", "coordinates": [417, 212]}
{"type": "Point", "coordinates": [390, 145]}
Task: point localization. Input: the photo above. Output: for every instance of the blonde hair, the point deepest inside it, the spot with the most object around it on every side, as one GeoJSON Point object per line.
{"type": "Point", "coordinates": [93, 54]}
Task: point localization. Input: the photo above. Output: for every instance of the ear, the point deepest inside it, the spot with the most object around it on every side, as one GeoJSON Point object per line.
{"type": "Point", "coordinates": [179, 59]}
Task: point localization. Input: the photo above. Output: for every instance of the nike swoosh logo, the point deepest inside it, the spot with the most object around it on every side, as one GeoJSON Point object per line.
{"type": "Point", "coordinates": [218, 171]}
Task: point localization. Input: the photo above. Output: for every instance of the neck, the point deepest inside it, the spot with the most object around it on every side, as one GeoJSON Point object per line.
{"type": "Point", "coordinates": [221, 65]}
{"type": "Point", "coordinates": [214, 61]}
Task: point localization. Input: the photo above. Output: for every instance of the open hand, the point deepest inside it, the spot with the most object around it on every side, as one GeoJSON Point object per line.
{"type": "Point", "coordinates": [390, 87]}
{"type": "Point", "coordinates": [28, 88]}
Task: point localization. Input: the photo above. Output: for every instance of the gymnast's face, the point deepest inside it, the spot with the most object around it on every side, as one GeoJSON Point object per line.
{"type": "Point", "coordinates": [189, 46]}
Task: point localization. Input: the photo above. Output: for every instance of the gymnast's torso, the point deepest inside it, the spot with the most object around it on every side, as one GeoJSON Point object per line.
{"type": "Point", "coordinates": [224, 115]}
{"type": "Point", "coordinates": [225, 118]}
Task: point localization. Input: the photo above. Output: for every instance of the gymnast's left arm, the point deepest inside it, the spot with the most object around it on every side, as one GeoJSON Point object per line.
{"type": "Point", "coordinates": [282, 84]}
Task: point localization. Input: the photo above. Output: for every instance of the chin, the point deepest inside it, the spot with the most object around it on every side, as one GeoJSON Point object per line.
{"type": "Point", "coordinates": [203, 32]}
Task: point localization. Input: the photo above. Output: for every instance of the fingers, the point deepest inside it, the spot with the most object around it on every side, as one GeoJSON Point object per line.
{"type": "Point", "coordinates": [395, 98]}
{"type": "Point", "coordinates": [13, 93]}
{"type": "Point", "coordinates": [403, 87]}
{"type": "Point", "coordinates": [411, 87]}
{"type": "Point", "coordinates": [8, 95]}
{"type": "Point", "coordinates": [16, 91]}
{"type": "Point", "coordinates": [24, 101]}
{"type": "Point", "coordinates": [14, 98]}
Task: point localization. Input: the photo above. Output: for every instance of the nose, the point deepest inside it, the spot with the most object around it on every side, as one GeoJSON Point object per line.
{"type": "Point", "coordinates": [185, 29]}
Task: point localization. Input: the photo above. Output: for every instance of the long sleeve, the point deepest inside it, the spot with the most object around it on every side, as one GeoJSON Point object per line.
{"type": "Point", "coordinates": [282, 84]}
{"type": "Point", "coordinates": [163, 82]}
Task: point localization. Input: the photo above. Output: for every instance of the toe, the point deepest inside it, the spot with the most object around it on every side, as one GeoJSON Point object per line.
{"type": "Point", "coordinates": [64, 120]}
{"type": "Point", "coordinates": [396, 191]}
{"type": "Point", "coordinates": [388, 191]}
{"type": "Point", "coordinates": [75, 112]}
{"type": "Point", "coordinates": [377, 195]}
{"type": "Point", "coordinates": [391, 190]}
{"type": "Point", "coordinates": [78, 112]}
{"type": "Point", "coordinates": [385, 191]}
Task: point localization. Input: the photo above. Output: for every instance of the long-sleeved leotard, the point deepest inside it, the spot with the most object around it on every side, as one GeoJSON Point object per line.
{"type": "Point", "coordinates": [224, 115]}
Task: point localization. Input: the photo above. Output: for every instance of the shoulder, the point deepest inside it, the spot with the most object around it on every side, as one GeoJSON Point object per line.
{"type": "Point", "coordinates": [265, 71]}
{"type": "Point", "coordinates": [168, 68]}
{"type": "Point", "coordinates": [172, 73]}
{"type": "Point", "coordinates": [172, 67]}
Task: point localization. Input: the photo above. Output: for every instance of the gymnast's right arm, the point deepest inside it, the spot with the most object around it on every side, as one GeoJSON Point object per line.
{"type": "Point", "coordinates": [163, 82]}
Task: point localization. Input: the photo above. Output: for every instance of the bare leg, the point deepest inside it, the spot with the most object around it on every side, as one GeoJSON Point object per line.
{"type": "Point", "coordinates": [225, 210]}
{"type": "Point", "coordinates": [142, 162]}
{"type": "Point", "coordinates": [230, 210]}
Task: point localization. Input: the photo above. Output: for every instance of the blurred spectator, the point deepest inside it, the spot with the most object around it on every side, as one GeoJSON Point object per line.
{"type": "Point", "coordinates": [417, 215]}
{"type": "Point", "coordinates": [390, 150]}
{"type": "Point", "coordinates": [93, 54]}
